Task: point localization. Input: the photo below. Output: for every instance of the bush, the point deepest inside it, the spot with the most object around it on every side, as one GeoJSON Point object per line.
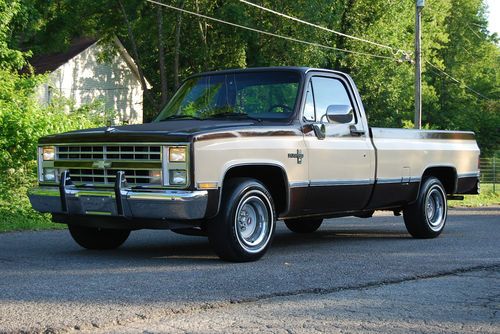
{"type": "Point", "coordinates": [22, 122]}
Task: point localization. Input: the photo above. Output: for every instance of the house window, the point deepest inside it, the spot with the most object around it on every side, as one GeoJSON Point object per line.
{"type": "Point", "coordinates": [49, 94]}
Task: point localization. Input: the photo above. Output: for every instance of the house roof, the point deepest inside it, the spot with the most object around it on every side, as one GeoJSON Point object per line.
{"type": "Point", "coordinates": [50, 62]}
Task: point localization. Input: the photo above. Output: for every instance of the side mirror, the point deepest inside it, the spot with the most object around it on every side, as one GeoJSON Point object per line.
{"type": "Point", "coordinates": [339, 113]}
{"type": "Point", "coordinates": [319, 130]}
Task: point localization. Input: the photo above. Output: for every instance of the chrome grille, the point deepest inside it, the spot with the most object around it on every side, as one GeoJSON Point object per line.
{"type": "Point", "coordinates": [109, 152]}
{"type": "Point", "coordinates": [105, 176]}
{"type": "Point", "coordinates": [98, 164]}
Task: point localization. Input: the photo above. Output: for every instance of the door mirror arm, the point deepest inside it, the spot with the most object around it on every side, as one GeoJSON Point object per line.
{"type": "Point", "coordinates": [319, 130]}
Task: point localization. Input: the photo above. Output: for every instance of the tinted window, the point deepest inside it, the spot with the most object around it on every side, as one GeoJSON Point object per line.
{"type": "Point", "coordinates": [267, 98]}
{"type": "Point", "coordinates": [328, 91]}
{"type": "Point", "coordinates": [264, 95]}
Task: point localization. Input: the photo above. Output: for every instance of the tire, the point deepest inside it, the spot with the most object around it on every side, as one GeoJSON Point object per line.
{"type": "Point", "coordinates": [427, 216]}
{"type": "Point", "coordinates": [244, 228]}
{"type": "Point", "coordinates": [97, 238]}
{"type": "Point", "coordinates": [305, 225]}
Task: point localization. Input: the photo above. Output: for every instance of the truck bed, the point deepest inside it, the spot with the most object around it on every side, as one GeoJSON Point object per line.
{"type": "Point", "coordinates": [403, 157]}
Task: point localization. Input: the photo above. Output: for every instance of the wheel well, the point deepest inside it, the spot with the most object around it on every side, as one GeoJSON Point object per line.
{"type": "Point", "coordinates": [273, 177]}
{"type": "Point", "coordinates": [447, 176]}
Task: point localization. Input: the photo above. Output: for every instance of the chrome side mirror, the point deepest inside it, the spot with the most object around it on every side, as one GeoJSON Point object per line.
{"type": "Point", "coordinates": [339, 113]}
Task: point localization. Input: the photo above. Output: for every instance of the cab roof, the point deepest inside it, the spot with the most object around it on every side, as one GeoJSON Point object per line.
{"type": "Point", "coordinates": [302, 70]}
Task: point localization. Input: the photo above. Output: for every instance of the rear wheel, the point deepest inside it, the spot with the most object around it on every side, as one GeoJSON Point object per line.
{"type": "Point", "coordinates": [303, 225]}
{"type": "Point", "coordinates": [244, 227]}
{"type": "Point", "coordinates": [427, 216]}
{"type": "Point", "coordinates": [98, 238]}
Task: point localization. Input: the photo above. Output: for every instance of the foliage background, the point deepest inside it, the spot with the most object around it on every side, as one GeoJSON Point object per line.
{"type": "Point", "coordinates": [168, 46]}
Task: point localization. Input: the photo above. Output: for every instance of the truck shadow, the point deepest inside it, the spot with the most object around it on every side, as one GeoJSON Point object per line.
{"type": "Point", "coordinates": [197, 249]}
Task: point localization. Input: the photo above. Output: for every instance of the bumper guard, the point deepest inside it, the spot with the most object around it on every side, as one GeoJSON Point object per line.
{"type": "Point", "coordinates": [121, 201]}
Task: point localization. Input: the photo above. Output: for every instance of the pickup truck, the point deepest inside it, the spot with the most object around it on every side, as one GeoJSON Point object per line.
{"type": "Point", "coordinates": [235, 151]}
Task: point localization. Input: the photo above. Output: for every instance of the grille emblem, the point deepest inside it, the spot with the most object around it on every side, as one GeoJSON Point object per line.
{"type": "Point", "coordinates": [101, 164]}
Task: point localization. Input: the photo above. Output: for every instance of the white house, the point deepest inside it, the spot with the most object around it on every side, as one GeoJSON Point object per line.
{"type": "Point", "coordinates": [81, 75]}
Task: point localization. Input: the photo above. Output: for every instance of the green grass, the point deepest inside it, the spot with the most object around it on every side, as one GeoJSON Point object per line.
{"type": "Point", "coordinates": [487, 197]}
{"type": "Point", "coordinates": [22, 220]}
{"type": "Point", "coordinates": [16, 213]}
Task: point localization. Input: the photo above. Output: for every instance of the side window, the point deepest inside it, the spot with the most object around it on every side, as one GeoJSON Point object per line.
{"type": "Point", "coordinates": [328, 91]}
{"type": "Point", "coordinates": [309, 113]}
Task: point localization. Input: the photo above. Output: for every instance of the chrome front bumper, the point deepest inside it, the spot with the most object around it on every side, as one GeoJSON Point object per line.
{"type": "Point", "coordinates": [120, 202]}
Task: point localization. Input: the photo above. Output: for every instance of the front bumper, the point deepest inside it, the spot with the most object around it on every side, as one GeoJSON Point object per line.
{"type": "Point", "coordinates": [122, 202]}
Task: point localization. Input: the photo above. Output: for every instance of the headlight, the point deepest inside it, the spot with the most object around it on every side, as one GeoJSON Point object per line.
{"type": "Point", "coordinates": [177, 154]}
{"type": "Point", "coordinates": [48, 153]}
{"type": "Point", "coordinates": [178, 177]}
{"type": "Point", "coordinates": [49, 175]}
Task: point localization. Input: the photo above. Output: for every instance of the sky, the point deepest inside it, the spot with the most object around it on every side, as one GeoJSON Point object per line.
{"type": "Point", "coordinates": [494, 16]}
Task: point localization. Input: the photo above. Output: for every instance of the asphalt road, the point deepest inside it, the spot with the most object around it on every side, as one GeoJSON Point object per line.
{"type": "Point", "coordinates": [353, 275]}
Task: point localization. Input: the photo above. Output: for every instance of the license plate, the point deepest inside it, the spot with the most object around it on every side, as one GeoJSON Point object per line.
{"type": "Point", "coordinates": [98, 204]}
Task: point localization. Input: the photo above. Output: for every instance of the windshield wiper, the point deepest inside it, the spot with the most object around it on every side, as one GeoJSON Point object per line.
{"type": "Point", "coordinates": [180, 117]}
{"type": "Point", "coordinates": [235, 115]}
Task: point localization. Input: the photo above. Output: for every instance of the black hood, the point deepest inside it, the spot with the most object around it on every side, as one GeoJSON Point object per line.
{"type": "Point", "coordinates": [168, 131]}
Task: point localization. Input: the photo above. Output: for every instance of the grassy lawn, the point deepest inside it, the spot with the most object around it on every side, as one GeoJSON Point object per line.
{"type": "Point", "coordinates": [487, 197]}
{"type": "Point", "coordinates": [25, 220]}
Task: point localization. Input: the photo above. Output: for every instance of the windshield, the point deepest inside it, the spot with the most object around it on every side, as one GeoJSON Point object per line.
{"type": "Point", "coordinates": [264, 96]}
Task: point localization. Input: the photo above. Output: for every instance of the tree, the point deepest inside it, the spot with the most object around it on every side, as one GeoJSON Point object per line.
{"type": "Point", "coordinates": [9, 57]}
{"type": "Point", "coordinates": [472, 54]}
{"type": "Point", "coordinates": [169, 45]}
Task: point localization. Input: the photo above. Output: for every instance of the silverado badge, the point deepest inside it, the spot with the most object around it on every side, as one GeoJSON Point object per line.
{"type": "Point", "coordinates": [299, 155]}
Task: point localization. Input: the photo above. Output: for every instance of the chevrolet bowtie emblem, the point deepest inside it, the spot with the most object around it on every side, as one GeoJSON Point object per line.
{"type": "Point", "coordinates": [101, 164]}
{"type": "Point", "coordinates": [299, 155]}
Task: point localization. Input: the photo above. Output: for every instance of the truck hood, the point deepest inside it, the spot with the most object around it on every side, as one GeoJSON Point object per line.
{"type": "Point", "coordinates": [168, 131]}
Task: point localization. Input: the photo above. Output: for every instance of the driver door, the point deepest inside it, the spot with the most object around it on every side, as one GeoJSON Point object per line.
{"type": "Point", "coordinates": [342, 164]}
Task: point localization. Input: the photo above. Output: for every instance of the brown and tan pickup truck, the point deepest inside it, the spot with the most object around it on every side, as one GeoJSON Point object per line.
{"type": "Point", "coordinates": [235, 151]}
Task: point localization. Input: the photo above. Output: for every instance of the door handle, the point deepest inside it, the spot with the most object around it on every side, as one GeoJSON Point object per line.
{"type": "Point", "coordinates": [356, 132]}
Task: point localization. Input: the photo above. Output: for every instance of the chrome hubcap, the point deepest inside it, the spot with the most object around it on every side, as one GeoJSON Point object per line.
{"type": "Point", "coordinates": [253, 221]}
{"type": "Point", "coordinates": [435, 208]}
{"type": "Point", "coordinates": [247, 220]}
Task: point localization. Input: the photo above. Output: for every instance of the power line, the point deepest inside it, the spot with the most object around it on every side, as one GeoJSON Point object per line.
{"type": "Point", "coordinates": [457, 81]}
{"type": "Point", "coordinates": [272, 34]}
{"type": "Point", "coordinates": [395, 51]}
{"type": "Point", "coordinates": [405, 55]}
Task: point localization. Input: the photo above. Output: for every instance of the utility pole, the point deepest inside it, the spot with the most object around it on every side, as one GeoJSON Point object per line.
{"type": "Point", "coordinates": [418, 64]}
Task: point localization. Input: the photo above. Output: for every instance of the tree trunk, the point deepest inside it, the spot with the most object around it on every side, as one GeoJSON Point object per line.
{"type": "Point", "coordinates": [161, 58]}
{"type": "Point", "coordinates": [177, 46]}
{"type": "Point", "coordinates": [131, 36]}
{"type": "Point", "coordinates": [202, 25]}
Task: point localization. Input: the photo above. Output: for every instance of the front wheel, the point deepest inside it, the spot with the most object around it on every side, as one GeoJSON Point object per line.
{"type": "Point", "coordinates": [427, 216]}
{"type": "Point", "coordinates": [244, 227]}
{"type": "Point", "coordinates": [98, 238]}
